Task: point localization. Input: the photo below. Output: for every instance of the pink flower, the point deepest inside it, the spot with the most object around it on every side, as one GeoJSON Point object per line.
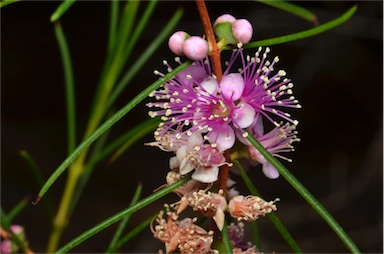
{"type": "Point", "coordinates": [202, 158]}
{"type": "Point", "coordinates": [195, 101]}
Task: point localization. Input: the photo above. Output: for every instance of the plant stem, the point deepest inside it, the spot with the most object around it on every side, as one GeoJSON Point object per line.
{"type": "Point", "coordinates": [214, 57]}
{"type": "Point", "coordinates": [62, 217]}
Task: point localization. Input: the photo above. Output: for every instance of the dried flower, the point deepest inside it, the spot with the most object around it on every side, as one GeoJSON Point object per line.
{"type": "Point", "coordinates": [183, 235]}
{"type": "Point", "coordinates": [250, 208]}
{"type": "Point", "coordinates": [210, 204]}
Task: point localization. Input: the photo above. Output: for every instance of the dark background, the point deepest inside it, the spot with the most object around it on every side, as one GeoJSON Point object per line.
{"type": "Point", "coordinates": [338, 80]}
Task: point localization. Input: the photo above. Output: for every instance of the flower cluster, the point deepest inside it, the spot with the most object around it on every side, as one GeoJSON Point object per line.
{"type": "Point", "coordinates": [203, 118]}
{"type": "Point", "coordinates": [188, 237]}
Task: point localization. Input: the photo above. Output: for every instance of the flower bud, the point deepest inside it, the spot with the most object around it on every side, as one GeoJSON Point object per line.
{"type": "Point", "coordinates": [222, 28]}
{"type": "Point", "coordinates": [242, 30]}
{"type": "Point", "coordinates": [195, 48]}
{"type": "Point", "coordinates": [225, 18]}
{"type": "Point", "coordinates": [176, 42]}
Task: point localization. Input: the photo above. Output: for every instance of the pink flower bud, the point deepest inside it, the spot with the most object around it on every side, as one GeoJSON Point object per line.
{"type": "Point", "coordinates": [242, 30]}
{"type": "Point", "coordinates": [232, 86]}
{"type": "Point", "coordinates": [195, 48]}
{"type": "Point", "coordinates": [176, 42]}
{"type": "Point", "coordinates": [225, 18]}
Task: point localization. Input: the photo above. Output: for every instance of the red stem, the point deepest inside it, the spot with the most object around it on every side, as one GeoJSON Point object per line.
{"type": "Point", "coordinates": [214, 56]}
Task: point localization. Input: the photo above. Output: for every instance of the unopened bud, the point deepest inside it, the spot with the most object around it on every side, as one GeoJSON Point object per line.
{"type": "Point", "coordinates": [242, 30]}
{"type": "Point", "coordinates": [176, 42]}
{"type": "Point", "coordinates": [225, 18]}
{"type": "Point", "coordinates": [195, 48]}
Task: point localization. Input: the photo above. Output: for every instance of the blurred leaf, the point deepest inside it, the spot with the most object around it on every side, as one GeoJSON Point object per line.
{"type": "Point", "coordinates": [17, 209]}
{"type": "Point", "coordinates": [63, 7]}
{"type": "Point", "coordinates": [226, 240]}
{"type": "Point", "coordinates": [69, 86]}
{"type": "Point", "coordinates": [132, 233]}
{"type": "Point", "coordinates": [124, 221]}
{"type": "Point", "coordinates": [7, 2]}
{"type": "Point", "coordinates": [133, 135]}
{"type": "Point", "coordinates": [292, 8]}
{"type": "Point", "coordinates": [36, 171]}
{"type": "Point", "coordinates": [145, 56]}
{"type": "Point", "coordinates": [105, 126]}
{"type": "Point", "coordinates": [316, 205]}
{"type": "Point", "coordinates": [113, 25]}
{"type": "Point", "coordinates": [304, 34]}
{"type": "Point", "coordinates": [119, 216]}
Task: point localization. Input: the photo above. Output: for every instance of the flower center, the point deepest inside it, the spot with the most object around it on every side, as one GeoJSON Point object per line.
{"type": "Point", "coordinates": [221, 110]}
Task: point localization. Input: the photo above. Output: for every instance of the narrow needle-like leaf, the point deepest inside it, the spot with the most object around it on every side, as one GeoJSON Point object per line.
{"type": "Point", "coordinates": [7, 2]}
{"type": "Point", "coordinates": [132, 234]}
{"type": "Point", "coordinates": [63, 7]}
{"type": "Point", "coordinates": [130, 138]}
{"type": "Point", "coordinates": [36, 171]}
{"type": "Point", "coordinates": [226, 240]}
{"type": "Point", "coordinates": [18, 209]}
{"type": "Point", "coordinates": [144, 57]}
{"type": "Point", "coordinates": [105, 126]}
{"type": "Point", "coordinates": [292, 8]}
{"type": "Point", "coordinates": [304, 34]}
{"type": "Point", "coordinates": [316, 205]}
{"type": "Point", "coordinates": [69, 86]}
{"type": "Point", "coordinates": [119, 216]}
{"type": "Point", "coordinates": [124, 221]}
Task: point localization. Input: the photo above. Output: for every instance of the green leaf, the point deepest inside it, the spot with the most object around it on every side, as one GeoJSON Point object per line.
{"type": "Point", "coordinates": [226, 240]}
{"type": "Point", "coordinates": [292, 8]}
{"type": "Point", "coordinates": [17, 209]}
{"type": "Point", "coordinates": [69, 86]}
{"type": "Point", "coordinates": [131, 137]}
{"type": "Point", "coordinates": [139, 28]}
{"type": "Point", "coordinates": [63, 7]}
{"type": "Point", "coordinates": [271, 216]}
{"type": "Point", "coordinates": [119, 216]}
{"type": "Point", "coordinates": [7, 2]}
{"type": "Point", "coordinates": [316, 205]}
{"type": "Point", "coordinates": [304, 34]}
{"type": "Point", "coordinates": [113, 25]}
{"type": "Point", "coordinates": [144, 57]}
{"type": "Point", "coordinates": [105, 126]}
{"type": "Point", "coordinates": [124, 221]}
{"type": "Point", "coordinates": [36, 171]}
{"type": "Point", "coordinates": [132, 233]}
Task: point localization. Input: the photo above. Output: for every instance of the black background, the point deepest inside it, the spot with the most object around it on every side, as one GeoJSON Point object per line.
{"type": "Point", "coordinates": [338, 80]}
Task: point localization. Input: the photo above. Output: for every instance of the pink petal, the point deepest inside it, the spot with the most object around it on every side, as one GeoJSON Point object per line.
{"type": "Point", "coordinates": [232, 86]}
{"type": "Point", "coordinates": [270, 171]}
{"type": "Point", "coordinates": [210, 85]}
{"type": "Point", "coordinates": [224, 138]}
{"type": "Point", "coordinates": [206, 175]}
{"type": "Point", "coordinates": [244, 115]}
